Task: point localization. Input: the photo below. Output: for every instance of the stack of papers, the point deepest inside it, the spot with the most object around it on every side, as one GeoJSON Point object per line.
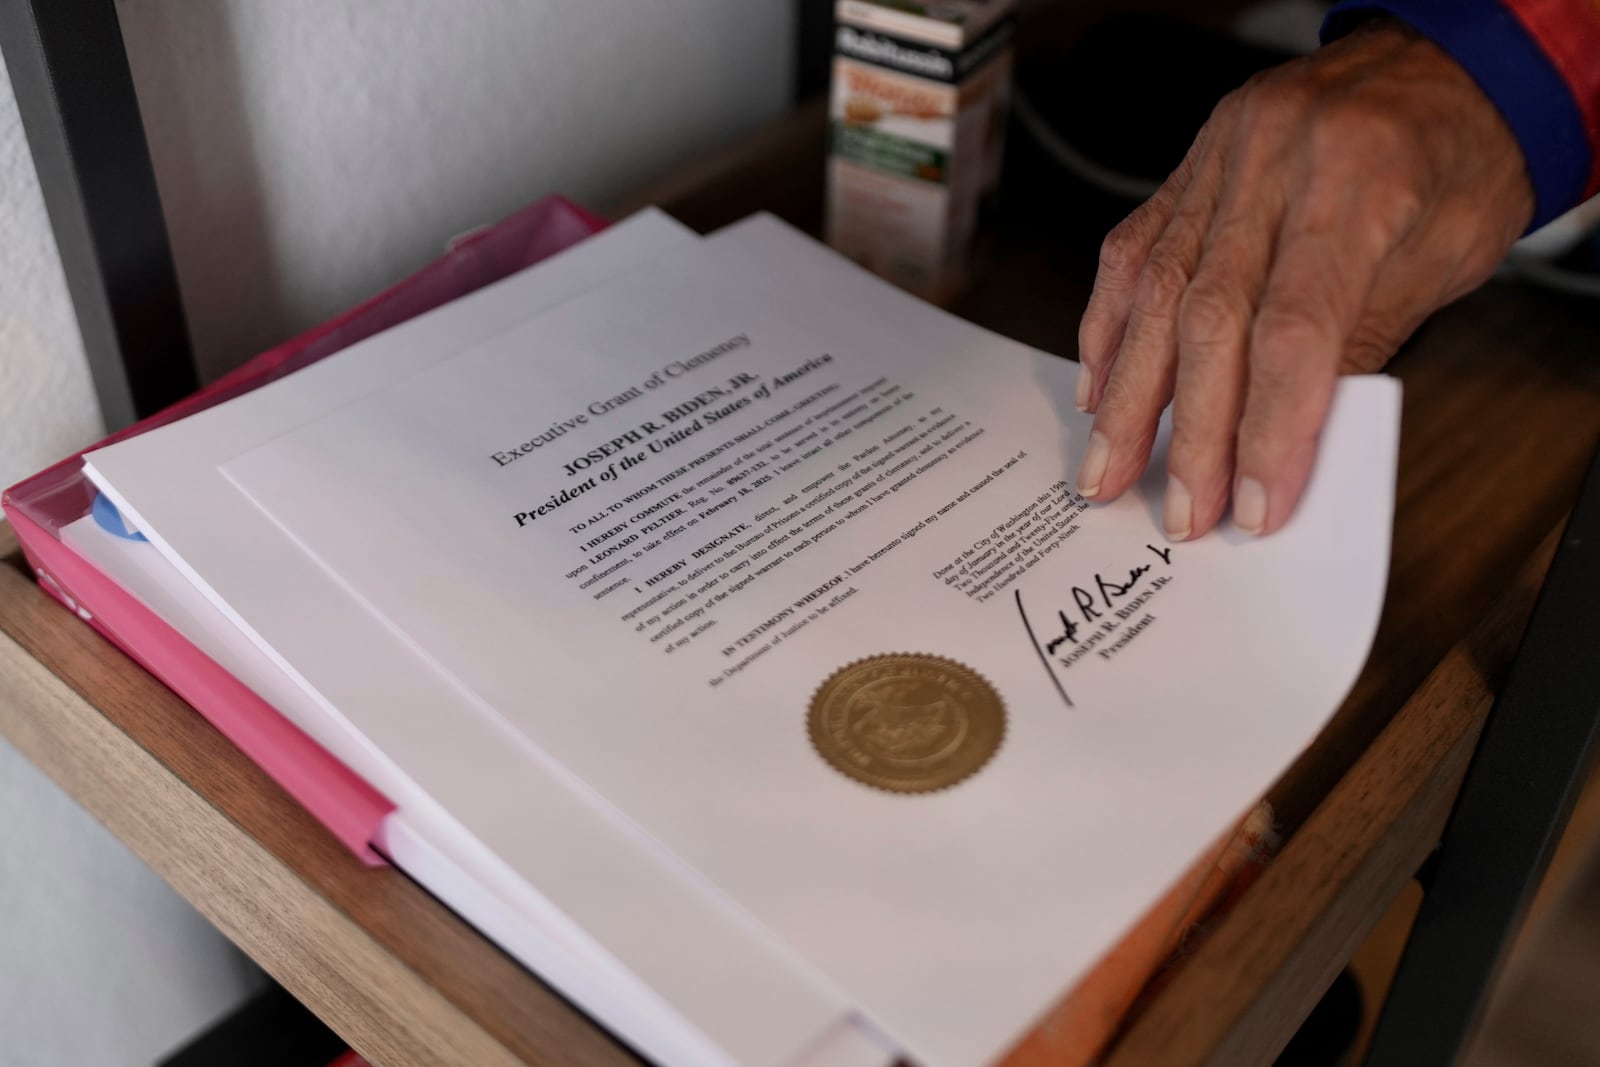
{"type": "Point", "coordinates": [726, 630]}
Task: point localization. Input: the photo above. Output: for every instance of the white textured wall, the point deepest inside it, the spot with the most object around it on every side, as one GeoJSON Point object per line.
{"type": "Point", "coordinates": [312, 150]}
{"type": "Point", "coordinates": [308, 153]}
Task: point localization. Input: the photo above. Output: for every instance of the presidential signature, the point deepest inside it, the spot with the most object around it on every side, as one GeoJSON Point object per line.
{"type": "Point", "coordinates": [1089, 605]}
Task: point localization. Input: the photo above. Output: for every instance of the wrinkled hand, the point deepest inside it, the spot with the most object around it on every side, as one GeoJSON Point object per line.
{"type": "Point", "coordinates": [1325, 209]}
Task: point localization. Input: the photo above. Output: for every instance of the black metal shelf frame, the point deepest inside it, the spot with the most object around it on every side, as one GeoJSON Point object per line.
{"type": "Point", "coordinates": [75, 95]}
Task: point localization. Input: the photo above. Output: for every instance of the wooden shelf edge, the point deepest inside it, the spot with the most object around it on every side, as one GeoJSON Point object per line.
{"type": "Point", "coordinates": [379, 1006]}
{"type": "Point", "coordinates": [395, 972]}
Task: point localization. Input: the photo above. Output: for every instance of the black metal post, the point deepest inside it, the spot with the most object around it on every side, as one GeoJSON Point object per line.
{"type": "Point", "coordinates": [75, 94]}
{"type": "Point", "coordinates": [1532, 760]}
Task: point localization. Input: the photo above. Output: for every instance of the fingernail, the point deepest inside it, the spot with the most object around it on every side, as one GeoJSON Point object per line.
{"type": "Point", "coordinates": [1085, 382]}
{"type": "Point", "coordinates": [1095, 458]}
{"type": "Point", "coordinates": [1178, 513]}
{"type": "Point", "coordinates": [1250, 506]}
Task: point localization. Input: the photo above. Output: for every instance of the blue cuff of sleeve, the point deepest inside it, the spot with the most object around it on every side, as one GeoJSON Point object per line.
{"type": "Point", "coordinates": [1514, 72]}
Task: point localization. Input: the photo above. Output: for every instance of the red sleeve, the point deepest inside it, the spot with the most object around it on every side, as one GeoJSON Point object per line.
{"type": "Point", "coordinates": [1538, 61]}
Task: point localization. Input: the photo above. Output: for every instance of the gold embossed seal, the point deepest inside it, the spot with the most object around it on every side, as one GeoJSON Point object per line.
{"type": "Point", "coordinates": [907, 723]}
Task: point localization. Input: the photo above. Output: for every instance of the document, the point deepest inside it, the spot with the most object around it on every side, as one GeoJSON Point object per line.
{"type": "Point", "coordinates": [785, 571]}
{"type": "Point", "coordinates": [167, 482]}
{"type": "Point", "coordinates": [498, 834]}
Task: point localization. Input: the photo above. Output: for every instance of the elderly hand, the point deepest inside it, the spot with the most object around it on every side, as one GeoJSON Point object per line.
{"type": "Point", "coordinates": [1325, 209]}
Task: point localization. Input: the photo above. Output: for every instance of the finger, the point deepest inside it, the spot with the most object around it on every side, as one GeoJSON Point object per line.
{"type": "Point", "coordinates": [1123, 256]}
{"type": "Point", "coordinates": [1122, 259]}
{"type": "Point", "coordinates": [1327, 258]}
{"type": "Point", "coordinates": [1130, 397]}
{"type": "Point", "coordinates": [1214, 324]}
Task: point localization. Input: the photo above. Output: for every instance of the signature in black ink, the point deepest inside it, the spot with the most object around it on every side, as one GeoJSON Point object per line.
{"type": "Point", "coordinates": [1043, 659]}
{"type": "Point", "coordinates": [1089, 606]}
{"type": "Point", "coordinates": [1069, 633]}
{"type": "Point", "coordinates": [1092, 605]}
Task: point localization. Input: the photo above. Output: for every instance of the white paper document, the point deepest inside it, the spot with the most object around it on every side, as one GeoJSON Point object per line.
{"type": "Point", "coordinates": [783, 573]}
{"type": "Point", "coordinates": [553, 879]}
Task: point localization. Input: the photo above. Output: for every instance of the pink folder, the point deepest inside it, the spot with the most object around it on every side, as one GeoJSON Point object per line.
{"type": "Point", "coordinates": [40, 506]}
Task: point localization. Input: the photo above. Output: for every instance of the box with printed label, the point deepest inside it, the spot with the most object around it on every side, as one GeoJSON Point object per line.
{"type": "Point", "coordinates": [917, 122]}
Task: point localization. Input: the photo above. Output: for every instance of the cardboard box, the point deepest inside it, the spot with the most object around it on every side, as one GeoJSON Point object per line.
{"type": "Point", "coordinates": [918, 120]}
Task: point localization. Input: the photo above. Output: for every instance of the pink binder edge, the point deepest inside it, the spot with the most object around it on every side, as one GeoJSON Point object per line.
{"type": "Point", "coordinates": [340, 800]}
{"type": "Point", "coordinates": [40, 505]}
